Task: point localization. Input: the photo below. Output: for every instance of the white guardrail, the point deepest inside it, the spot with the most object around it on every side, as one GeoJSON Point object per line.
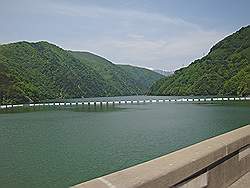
{"type": "Point", "coordinates": [116, 102]}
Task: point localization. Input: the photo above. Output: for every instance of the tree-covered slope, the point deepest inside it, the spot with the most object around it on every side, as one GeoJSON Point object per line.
{"type": "Point", "coordinates": [224, 71]}
{"type": "Point", "coordinates": [42, 70]}
{"type": "Point", "coordinates": [122, 79]}
{"type": "Point", "coordinates": [143, 77]}
{"type": "Point", "coordinates": [37, 71]}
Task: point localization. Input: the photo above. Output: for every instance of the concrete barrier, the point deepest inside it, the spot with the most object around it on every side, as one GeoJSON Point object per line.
{"type": "Point", "coordinates": [3, 106]}
{"type": "Point", "coordinates": [214, 163]}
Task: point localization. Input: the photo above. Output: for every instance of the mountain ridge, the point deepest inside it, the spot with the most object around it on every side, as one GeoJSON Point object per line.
{"type": "Point", "coordinates": [34, 71]}
{"type": "Point", "coordinates": [225, 70]}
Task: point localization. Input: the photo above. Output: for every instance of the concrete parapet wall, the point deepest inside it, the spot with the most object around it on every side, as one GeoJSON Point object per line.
{"type": "Point", "coordinates": [213, 163]}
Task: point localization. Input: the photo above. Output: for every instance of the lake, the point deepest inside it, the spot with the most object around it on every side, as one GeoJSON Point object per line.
{"type": "Point", "coordinates": [57, 147]}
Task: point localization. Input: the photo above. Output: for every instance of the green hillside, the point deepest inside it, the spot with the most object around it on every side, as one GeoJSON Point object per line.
{"type": "Point", "coordinates": [38, 71]}
{"type": "Point", "coordinates": [224, 71]}
{"type": "Point", "coordinates": [122, 79]}
{"type": "Point", "coordinates": [143, 77]}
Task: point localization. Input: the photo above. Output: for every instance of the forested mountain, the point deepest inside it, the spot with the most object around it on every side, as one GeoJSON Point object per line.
{"type": "Point", "coordinates": [142, 76]}
{"type": "Point", "coordinates": [224, 71]}
{"type": "Point", "coordinates": [122, 79]}
{"type": "Point", "coordinates": [37, 71]}
{"type": "Point", "coordinates": [163, 72]}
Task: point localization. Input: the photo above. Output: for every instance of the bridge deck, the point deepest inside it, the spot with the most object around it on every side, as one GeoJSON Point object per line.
{"type": "Point", "coordinates": [113, 101]}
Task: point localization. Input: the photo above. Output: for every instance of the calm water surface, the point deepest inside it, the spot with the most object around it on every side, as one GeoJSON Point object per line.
{"type": "Point", "coordinates": [57, 148]}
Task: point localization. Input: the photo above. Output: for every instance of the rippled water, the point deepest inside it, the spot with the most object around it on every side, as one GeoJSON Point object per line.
{"type": "Point", "coordinates": [59, 147]}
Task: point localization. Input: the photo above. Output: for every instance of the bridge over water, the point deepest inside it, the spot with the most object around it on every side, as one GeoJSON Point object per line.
{"type": "Point", "coordinates": [216, 162]}
{"type": "Point", "coordinates": [123, 100]}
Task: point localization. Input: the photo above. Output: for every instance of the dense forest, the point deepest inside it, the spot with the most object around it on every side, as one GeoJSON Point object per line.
{"type": "Point", "coordinates": [32, 72]}
{"type": "Point", "coordinates": [37, 71]}
{"type": "Point", "coordinates": [224, 71]}
{"type": "Point", "coordinates": [121, 79]}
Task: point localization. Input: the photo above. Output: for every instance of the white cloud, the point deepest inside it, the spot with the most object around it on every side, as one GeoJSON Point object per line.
{"type": "Point", "coordinates": [136, 37]}
{"type": "Point", "coordinates": [130, 15]}
{"type": "Point", "coordinates": [159, 53]}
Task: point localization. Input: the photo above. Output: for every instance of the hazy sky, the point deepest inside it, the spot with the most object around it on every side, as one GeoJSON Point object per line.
{"type": "Point", "coordinates": [151, 33]}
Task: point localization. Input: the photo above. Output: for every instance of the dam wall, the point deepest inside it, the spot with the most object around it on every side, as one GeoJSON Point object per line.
{"type": "Point", "coordinates": [217, 162]}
